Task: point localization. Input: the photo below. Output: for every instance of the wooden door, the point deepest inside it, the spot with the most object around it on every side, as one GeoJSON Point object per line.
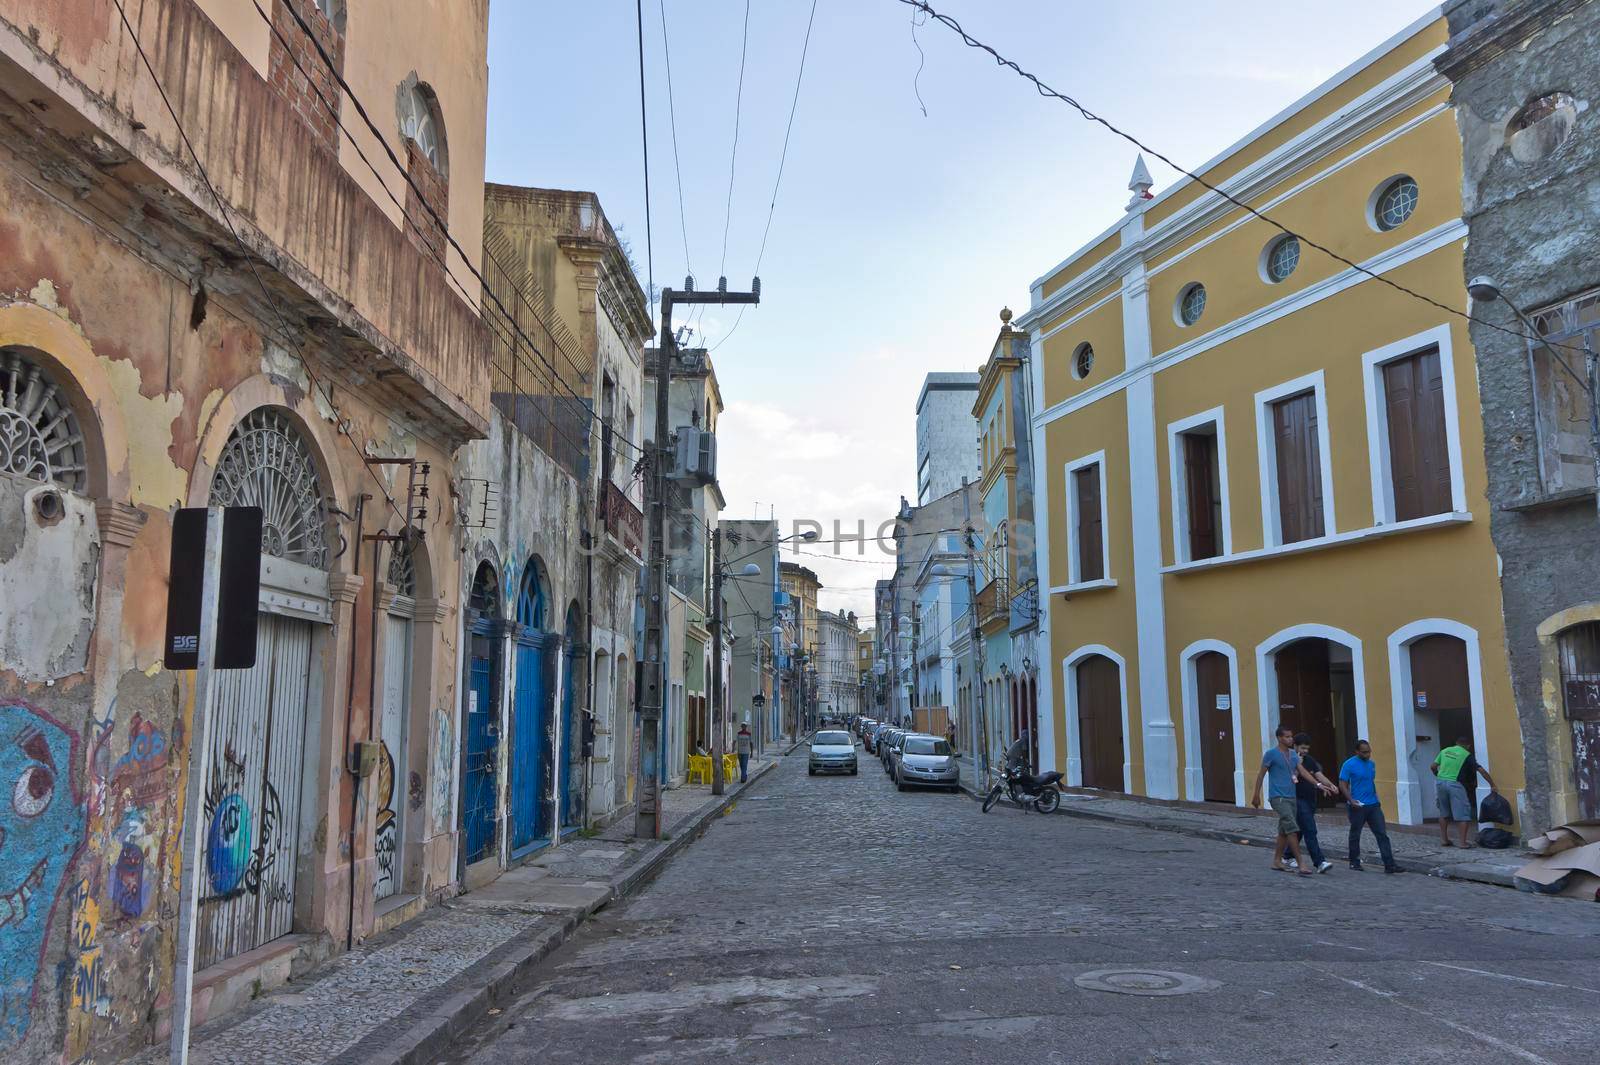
{"type": "Point", "coordinates": [1214, 696]}
{"type": "Point", "coordinates": [1100, 739]}
{"type": "Point", "coordinates": [1579, 649]}
{"type": "Point", "coordinates": [1299, 468]}
{"type": "Point", "coordinates": [1203, 497]}
{"type": "Point", "coordinates": [1441, 707]}
{"type": "Point", "coordinates": [1091, 537]}
{"type": "Point", "coordinates": [1419, 455]}
{"type": "Point", "coordinates": [1305, 700]}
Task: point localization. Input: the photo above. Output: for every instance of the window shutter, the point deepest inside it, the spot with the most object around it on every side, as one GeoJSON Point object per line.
{"type": "Point", "coordinates": [1091, 552]}
{"type": "Point", "coordinates": [1419, 453]}
{"type": "Point", "coordinates": [1299, 463]}
{"type": "Point", "coordinates": [1203, 504]}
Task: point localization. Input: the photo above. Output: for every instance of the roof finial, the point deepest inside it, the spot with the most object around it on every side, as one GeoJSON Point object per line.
{"type": "Point", "coordinates": [1005, 315]}
{"type": "Point", "coordinates": [1139, 184]}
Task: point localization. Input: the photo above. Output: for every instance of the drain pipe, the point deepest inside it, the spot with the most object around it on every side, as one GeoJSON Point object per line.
{"type": "Point", "coordinates": [349, 720]}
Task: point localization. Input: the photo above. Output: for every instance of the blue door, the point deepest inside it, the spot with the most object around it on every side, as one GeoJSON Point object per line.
{"type": "Point", "coordinates": [530, 777]}
{"type": "Point", "coordinates": [482, 751]}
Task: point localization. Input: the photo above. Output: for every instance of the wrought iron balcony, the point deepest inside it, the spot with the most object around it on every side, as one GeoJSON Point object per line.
{"type": "Point", "coordinates": [623, 521]}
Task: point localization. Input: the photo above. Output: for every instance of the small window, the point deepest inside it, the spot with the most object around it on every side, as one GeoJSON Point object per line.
{"type": "Point", "coordinates": [1191, 304]}
{"type": "Point", "coordinates": [1282, 256]}
{"type": "Point", "coordinates": [1082, 361]}
{"type": "Point", "coordinates": [1579, 648]}
{"type": "Point", "coordinates": [1561, 399]}
{"type": "Point", "coordinates": [418, 123]}
{"type": "Point", "coordinates": [1087, 561]}
{"type": "Point", "coordinates": [1394, 204]}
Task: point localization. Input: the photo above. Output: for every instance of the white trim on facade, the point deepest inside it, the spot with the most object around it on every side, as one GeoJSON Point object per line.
{"type": "Point", "coordinates": [1194, 785]}
{"type": "Point", "coordinates": [1267, 455]}
{"type": "Point", "coordinates": [1267, 676]}
{"type": "Point", "coordinates": [1180, 484]}
{"type": "Point", "coordinates": [1408, 797]}
{"type": "Point", "coordinates": [1074, 567]}
{"type": "Point", "coordinates": [1382, 470]}
{"type": "Point", "coordinates": [1044, 709]}
{"type": "Point", "coordinates": [1084, 586]}
{"type": "Point", "coordinates": [1069, 680]}
{"type": "Point", "coordinates": [1408, 251]}
{"type": "Point", "coordinates": [1350, 536]}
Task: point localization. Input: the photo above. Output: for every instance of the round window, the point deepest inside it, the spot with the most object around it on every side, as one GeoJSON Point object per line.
{"type": "Point", "coordinates": [1395, 203]}
{"type": "Point", "coordinates": [1191, 304]}
{"type": "Point", "coordinates": [1283, 255]}
{"type": "Point", "coordinates": [1082, 361]}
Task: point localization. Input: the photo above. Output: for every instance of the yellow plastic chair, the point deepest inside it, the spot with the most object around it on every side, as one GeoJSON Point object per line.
{"type": "Point", "coordinates": [730, 767]}
{"type": "Point", "coordinates": [699, 769]}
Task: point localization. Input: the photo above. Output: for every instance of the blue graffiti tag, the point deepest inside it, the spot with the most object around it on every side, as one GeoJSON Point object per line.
{"type": "Point", "coordinates": [228, 845]}
{"type": "Point", "coordinates": [41, 828]}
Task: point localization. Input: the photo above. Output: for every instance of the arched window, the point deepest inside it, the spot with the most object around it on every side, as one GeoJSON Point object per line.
{"type": "Point", "coordinates": [40, 438]}
{"type": "Point", "coordinates": [532, 602]}
{"type": "Point", "coordinates": [420, 121]}
{"type": "Point", "coordinates": [266, 463]}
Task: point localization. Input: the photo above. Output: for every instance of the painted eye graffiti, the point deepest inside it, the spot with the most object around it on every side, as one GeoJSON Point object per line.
{"type": "Point", "coordinates": [33, 791]}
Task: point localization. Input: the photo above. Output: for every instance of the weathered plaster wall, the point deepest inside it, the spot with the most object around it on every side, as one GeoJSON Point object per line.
{"type": "Point", "coordinates": [1532, 228]}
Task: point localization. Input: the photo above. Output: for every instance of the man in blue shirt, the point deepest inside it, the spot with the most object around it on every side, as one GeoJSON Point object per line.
{"type": "Point", "coordinates": [1356, 781]}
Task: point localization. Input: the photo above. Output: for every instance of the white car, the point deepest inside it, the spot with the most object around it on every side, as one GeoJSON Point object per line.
{"type": "Point", "coordinates": [832, 751]}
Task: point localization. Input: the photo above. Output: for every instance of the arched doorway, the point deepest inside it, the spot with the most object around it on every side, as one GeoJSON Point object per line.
{"type": "Point", "coordinates": [531, 725]}
{"type": "Point", "coordinates": [480, 730]}
{"type": "Point", "coordinates": [1212, 719]}
{"type": "Point", "coordinates": [1097, 683]}
{"type": "Point", "coordinates": [1317, 693]}
{"type": "Point", "coordinates": [259, 736]}
{"type": "Point", "coordinates": [1439, 697]}
{"type": "Point", "coordinates": [398, 636]}
{"type": "Point", "coordinates": [572, 712]}
{"type": "Point", "coordinates": [1578, 649]}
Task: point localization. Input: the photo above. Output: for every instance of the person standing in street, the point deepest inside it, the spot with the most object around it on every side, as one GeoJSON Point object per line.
{"type": "Point", "coordinates": [1456, 786]}
{"type": "Point", "coordinates": [1280, 767]}
{"type": "Point", "coordinates": [743, 745]}
{"type": "Point", "coordinates": [1310, 784]}
{"type": "Point", "coordinates": [1357, 781]}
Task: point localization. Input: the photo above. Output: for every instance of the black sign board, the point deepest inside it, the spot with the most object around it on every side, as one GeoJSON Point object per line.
{"type": "Point", "coordinates": [240, 588]}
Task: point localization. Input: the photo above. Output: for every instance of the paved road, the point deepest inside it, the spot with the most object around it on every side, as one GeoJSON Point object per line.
{"type": "Point", "coordinates": [833, 921]}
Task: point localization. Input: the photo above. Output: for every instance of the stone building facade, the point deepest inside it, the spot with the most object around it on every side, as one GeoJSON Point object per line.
{"type": "Point", "coordinates": [220, 304]}
{"type": "Point", "coordinates": [1525, 88]}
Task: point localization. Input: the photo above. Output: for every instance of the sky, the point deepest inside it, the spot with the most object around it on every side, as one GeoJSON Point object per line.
{"type": "Point", "coordinates": [924, 188]}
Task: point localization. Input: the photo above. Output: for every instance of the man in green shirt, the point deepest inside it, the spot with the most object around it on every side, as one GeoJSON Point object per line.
{"type": "Point", "coordinates": [1457, 773]}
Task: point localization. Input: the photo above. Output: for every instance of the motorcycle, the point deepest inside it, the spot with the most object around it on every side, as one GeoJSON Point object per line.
{"type": "Point", "coordinates": [1041, 792]}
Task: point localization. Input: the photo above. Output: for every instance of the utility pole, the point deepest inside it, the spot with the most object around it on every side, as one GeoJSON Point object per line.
{"type": "Point", "coordinates": [980, 749]}
{"type": "Point", "coordinates": [717, 745]}
{"type": "Point", "coordinates": [647, 821]}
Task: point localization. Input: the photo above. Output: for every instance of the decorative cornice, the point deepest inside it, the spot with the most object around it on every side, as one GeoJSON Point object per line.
{"type": "Point", "coordinates": [119, 522]}
{"type": "Point", "coordinates": [434, 610]}
{"type": "Point", "coordinates": [1508, 27]}
{"type": "Point", "coordinates": [345, 587]}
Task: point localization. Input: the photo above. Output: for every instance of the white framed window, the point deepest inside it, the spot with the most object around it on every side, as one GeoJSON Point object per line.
{"type": "Point", "coordinates": [420, 123]}
{"type": "Point", "coordinates": [1082, 361]}
{"type": "Point", "coordinates": [1279, 259]}
{"type": "Point", "coordinates": [1197, 448]}
{"type": "Point", "coordinates": [1088, 560]}
{"type": "Point", "coordinates": [1413, 429]}
{"type": "Point", "coordinates": [1392, 203]}
{"type": "Point", "coordinates": [1295, 463]}
{"type": "Point", "coordinates": [1191, 304]}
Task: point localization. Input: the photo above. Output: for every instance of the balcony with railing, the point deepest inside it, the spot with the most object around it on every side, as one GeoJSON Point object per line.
{"type": "Point", "coordinates": [622, 521]}
{"type": "Point", "coordinates": [994, 604]}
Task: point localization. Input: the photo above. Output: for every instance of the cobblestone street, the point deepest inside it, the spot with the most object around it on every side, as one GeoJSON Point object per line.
{"type": "Point", "coordinates": [835, 920]}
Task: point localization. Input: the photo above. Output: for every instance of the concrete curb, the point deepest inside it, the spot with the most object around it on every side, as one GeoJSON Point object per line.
{"type": "Point", "coordinates": [1458, 871]}
{"type": "Point", "coordinates": [447, 1012]}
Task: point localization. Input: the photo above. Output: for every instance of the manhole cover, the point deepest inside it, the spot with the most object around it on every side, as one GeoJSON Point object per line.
{"type": "Point", "coordinates": [1144, 982]}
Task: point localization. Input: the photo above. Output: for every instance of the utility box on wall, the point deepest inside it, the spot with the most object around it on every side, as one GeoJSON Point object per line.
{"type": "Point", "coordinates": [695, 458]}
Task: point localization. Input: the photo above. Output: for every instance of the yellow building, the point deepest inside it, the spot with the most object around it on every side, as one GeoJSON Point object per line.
{"type": "Point", "coordinates": [1263, 492]}
{"type": "Point", "coordinates": [802, 585]}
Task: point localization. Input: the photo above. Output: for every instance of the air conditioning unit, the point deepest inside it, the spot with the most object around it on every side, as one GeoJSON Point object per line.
{"type": "Point", "coordinates": [696, 457]}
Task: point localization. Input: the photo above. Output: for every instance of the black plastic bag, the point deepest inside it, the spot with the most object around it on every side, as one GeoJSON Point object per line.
{"type": "Point", "coordinates": [1495, 808]}
{"type": "Point", "coordinates": [1497, 839]}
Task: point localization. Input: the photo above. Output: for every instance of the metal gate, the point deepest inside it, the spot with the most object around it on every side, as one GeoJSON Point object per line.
{"type": "Point", "coordinates": [252, 800]}
{"type": "Point", "coordinates": [530, 764]}
{"type": "Point", "coordinates": [387, 838]}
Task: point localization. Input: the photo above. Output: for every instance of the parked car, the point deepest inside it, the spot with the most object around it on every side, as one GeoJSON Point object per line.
{"type": "Point", "coordinates": [832, 751]}
{"type": "Point", "coordinates": [869, 738]}
{"type": "Point", "coordinates": [887, 748]}
{"type": "Point", "coordinates": [863, 725]}
{"type": "Point", "coordinates": [926, 761]}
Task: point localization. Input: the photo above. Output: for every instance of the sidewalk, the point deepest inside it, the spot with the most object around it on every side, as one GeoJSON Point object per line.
{"type": "Point", "coordinates": [401, 997]}
{"type": "Point", "coordinates": [1416, 849]}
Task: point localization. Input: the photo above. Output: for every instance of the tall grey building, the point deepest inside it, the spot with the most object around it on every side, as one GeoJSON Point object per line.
{"type": "Point", "coordinates": [1524, 81]}
{"type": "Point", "coordinates": [947, 434]}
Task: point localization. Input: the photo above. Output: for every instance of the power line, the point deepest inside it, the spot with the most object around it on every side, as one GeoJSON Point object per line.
{"type": "Point", "coordinates": [1050, 93]}
{"type": "Point", "coordinates": [438, 258]}
{"type": "Point", "coordinates": [783, 158]}
{"type": "Point", "coordinates": [250, 260]}
{"type": "Point", "coordinates": [733, 158]}
{"type": "Point", "coordinates": [672, 115]}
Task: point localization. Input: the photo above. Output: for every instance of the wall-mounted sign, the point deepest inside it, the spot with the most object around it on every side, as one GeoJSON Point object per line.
{"type": "Point", "coordinates": [1224, 702]}
{"type": "Point", "coordinates": [239, 584]}
{"type": "Point", "coordinates": [1422, 700]}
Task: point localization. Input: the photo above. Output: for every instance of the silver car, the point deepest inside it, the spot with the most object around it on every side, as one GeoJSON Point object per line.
{"type": "Point", "coordinates": [832, 751]}
{"type": "Point", "coordinates": [927, 761]}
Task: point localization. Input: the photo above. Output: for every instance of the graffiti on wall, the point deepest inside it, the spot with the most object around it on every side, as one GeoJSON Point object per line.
{"type": "Point", "coordinates": [443, 769]}
{"type": "Point", "coordinates": [91, 984]}
{"type": "Point", "coordinates": [41, 829]}
{"type": "Point", "coordinates": [385, 843]}
{"type": "Point", "coordinates": [240, 840]}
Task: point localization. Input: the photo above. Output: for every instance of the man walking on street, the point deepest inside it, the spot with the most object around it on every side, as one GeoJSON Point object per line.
{"type": "Point", "coordinates": [1457, 789]}
{"type": "Point", "coordinates": [1356, 781]}
{"type": "Point", "coordinates": [743, 744]}
{"type": "Point", "coordinates": [1310, 784]}
{"type": "Point", "coordinates": [1281, 767]}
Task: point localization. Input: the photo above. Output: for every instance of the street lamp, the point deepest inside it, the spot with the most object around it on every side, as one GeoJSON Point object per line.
{"type": "Point", "coordinates": [1486, 290]}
